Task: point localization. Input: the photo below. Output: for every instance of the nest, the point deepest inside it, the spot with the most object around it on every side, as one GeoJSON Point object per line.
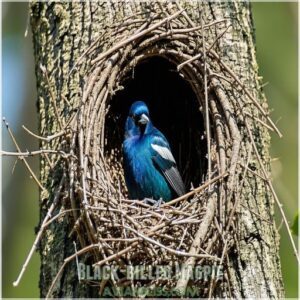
{"type": "Point", "coordinates": [128, 232]}
{"type": "Point", "coordinates": [195, 229]}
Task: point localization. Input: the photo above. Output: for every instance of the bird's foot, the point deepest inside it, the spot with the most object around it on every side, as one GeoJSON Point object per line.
{"type": "Point", "coordinates": [155, 203]}
{"type": "Point", "coordinates": [159, 203]}
{"type": "Point", "coordinates": [149, 201]}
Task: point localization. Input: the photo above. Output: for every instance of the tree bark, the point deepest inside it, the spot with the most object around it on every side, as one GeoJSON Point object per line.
{"type": "Point", "coordinates": [61, 33]}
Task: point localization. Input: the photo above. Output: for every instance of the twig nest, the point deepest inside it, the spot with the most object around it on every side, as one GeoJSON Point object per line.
{"type": "Point", "coordinates": [190, 231]}
{"type": "Point", "coordinates": [131, 232]}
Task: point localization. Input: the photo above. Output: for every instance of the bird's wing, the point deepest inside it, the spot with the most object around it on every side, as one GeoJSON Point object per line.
{"type": "Point", "coordinates": [163, 158]}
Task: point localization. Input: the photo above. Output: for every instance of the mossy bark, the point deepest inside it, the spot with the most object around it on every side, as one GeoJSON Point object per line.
{"type": "Point", "coordinates": [61, 33]}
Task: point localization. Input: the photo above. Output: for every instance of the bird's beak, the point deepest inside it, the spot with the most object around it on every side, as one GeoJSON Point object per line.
{"type": "Point", "coordinates": [143, 119]}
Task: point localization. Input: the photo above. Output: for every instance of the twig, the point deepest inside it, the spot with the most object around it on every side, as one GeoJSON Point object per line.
{"type": "Point", "coordinates": [198, 56]}
{"type": "Point", "coordinates": [48, 138]}
{"type": "Point", "coordinates": [132, 246]}
{"type": "Point", "coordinates": [22, 158]}
{"type": "Point", "coordinates": [213, 281]}
{"type": "Point", "coordinates": [237, 200]}
{"type": "Point", "coordinates": [215, 55]}
{"type": "Point", "coordinates": [196, 190]}
{"type": "Point", "coordinates": [192, 29]}
{"type": "Point", "coordinates": [218, 37]}
{"type": "Point", "coordinates": [232, 74]}
{"type": "Point", "coordinates": [77, 262]}
{"type": "Point", "coordinates": [36, 152]}
{"type": "Point", "coordinates": [136, 36]}
{"type": "Point", "coordinates": [39, 234]}
{"type": "Point", "coordinates": [120, 211]}
{"type": "Point", "coordinates": [83, 163]}
{"type": "Point", "coordinates": [90, 47]}
{"type": "Point", "coordinates": [280, 225]}
{"type": "Point", "coordinates": [259, 120]}
{"type": "Point", "coordinates": [66, 261]}
{"type": "Point", "coordinates": [246, 113]}
{"type": "Point", "coordinates": [253, 172]}
{"type": "Point", "coordinates": [58, 216]}
{"type": "Point", "coordinates": [176, 252]}
{"type": "Point", "coordinates": [256, 214]}
{"type": "Point", "coordinates": [198, 239]}
{"type": "Point", "coordinates": [234, 132]}
{"type": "Point", "coordinates": [273, 192]}
{"type": "Point", "coordinates": [207, 123]}
{"type": "Point", "coordinates": [182, 238]}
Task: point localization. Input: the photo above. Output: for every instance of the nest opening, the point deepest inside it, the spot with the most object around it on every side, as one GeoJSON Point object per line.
{"type": "Point", "coordinates": [174, 110]}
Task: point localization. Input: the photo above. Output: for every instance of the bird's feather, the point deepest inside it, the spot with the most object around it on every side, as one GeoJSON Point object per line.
{"type": "Point", "coordinates": [164, 160]}
{"type": "Point", "coordinates": [164, 152]}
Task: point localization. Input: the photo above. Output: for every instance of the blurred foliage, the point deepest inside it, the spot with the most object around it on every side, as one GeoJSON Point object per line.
{"type": "Point", "coordinates": [277, 54]}
{"type": "Point", "coordinates": [276, 37]}
{"type": "Point", "coordinates": [295, 225]}
{"type": "Point", "coordinates": [20, 204]}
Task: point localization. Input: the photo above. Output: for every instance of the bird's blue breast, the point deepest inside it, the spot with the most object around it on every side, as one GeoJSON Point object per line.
{"type": "Point", "coordinates": [143, 179]}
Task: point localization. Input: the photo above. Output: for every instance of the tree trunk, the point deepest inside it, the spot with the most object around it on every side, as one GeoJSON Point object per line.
{"type": "Point", "coordinates": [62, 32]}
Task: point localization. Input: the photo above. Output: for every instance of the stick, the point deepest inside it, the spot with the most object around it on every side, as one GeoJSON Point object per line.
{"type": "Point", "coordinates": [198, 189]}
{"type": "Point", "coordinates": [66, 261]}
{"type": "Point", "coordinates": [194, 249]}
{"type": "Point", "coordinates": [39, 235]}
{"type": "Point", "coordinates": [176, 252]}
{"type": "Point", "coordinates": [77, 262]}
{"type": "Point", "coordinates": [207, 125]}
{"type": "Point", "coordinates": [32, 153]}
{"type": "Point", "coordinates": [48, 138]}
{"type": "Point", "coordinates": [273, 192]}
{"type": "Point", "coordinates": [136, 36]}
{"type": "Point", "coordinates": [180, 66]}
{"type": "Point", "coordinates": [231, 73]}
{"type": "Point", "coordinates": [187, 30]}
{"type": "Point", "coordinates": [215, 55]}
{"type": "Point", "coordinates": [23, 159]}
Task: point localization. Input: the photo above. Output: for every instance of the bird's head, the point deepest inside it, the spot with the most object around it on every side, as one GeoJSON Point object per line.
{"type": "Point", "coordinates": [138, 119]}
{"type": "Point", "coordinates": [139, 113]}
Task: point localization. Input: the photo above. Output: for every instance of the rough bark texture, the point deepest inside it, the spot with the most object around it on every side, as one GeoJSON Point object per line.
{"type": "Point", "coordinates": [61, 33]}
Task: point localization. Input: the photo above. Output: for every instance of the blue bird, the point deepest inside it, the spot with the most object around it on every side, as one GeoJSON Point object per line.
{"type": "Point", "coordinates": [149, 166]}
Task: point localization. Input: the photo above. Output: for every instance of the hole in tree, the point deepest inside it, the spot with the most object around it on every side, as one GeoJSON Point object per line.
{"type": "Point", "coordinates": [174, 110]}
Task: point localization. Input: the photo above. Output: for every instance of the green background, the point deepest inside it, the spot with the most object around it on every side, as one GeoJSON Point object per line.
{"type": "Point", "coordinates": [276, 40]}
